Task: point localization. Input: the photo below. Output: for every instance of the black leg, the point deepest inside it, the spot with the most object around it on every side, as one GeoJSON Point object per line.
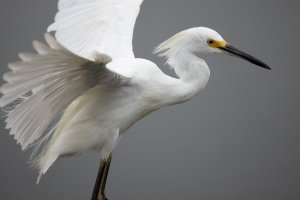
{"type": "Point", "coordinates": [99, 188]}
{"type": "Point", "coordinates": [106, 170]}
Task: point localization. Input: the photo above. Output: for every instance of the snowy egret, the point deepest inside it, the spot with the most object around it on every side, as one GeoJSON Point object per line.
{"type": "Point", "coordinates": [85, 88]}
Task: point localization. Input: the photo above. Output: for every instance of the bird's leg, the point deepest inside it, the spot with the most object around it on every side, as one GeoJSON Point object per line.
{"type": "Point", "coordinates": [98, 180]}
{"type": "Point", "coordinates": [101, 195]}
{"type": "Point", "coordinates": [99, 188]}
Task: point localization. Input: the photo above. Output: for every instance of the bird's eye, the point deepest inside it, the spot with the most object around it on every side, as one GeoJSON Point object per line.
{"type": "Point", "coordinates": [210, 42]}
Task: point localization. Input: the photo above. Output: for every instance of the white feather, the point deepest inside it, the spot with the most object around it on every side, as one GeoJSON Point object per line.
{"type": "Point", "coordinates": [86, 26]}
{"type": "Point", "coordinates": [54, 78]}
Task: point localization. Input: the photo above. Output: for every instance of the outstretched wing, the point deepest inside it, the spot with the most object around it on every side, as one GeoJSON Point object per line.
{"type": "Point", "coordinates": [104, 26]}
{"type": "Point", "coordinates": [42, 85]}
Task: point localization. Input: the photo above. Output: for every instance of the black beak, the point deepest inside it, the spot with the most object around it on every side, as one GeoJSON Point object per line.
{"type": "Point", "coordinates": [238, 53]}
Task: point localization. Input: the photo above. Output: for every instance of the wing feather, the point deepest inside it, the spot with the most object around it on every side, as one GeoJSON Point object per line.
{"type": "Point", "coordinates": [41, 86]}
{"type": "Point", "coordinates": [105, 26]}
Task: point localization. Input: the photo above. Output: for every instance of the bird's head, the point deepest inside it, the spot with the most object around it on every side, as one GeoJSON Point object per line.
{"type": "Point", "coordinates": [203, 40]}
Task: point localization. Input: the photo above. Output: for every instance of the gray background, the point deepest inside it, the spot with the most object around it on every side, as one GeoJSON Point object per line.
{"type": "Point", "coordinates": [237, 140]}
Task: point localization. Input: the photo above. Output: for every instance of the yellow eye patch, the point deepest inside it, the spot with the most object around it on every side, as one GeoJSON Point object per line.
{"type": "Point", "coordinates": [216, 44]}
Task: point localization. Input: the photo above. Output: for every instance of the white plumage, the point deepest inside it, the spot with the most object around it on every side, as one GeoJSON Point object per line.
{"type": "Point", "coordinates": [105, 26]}
{"type": "Point", "coordinates": [82, 92]}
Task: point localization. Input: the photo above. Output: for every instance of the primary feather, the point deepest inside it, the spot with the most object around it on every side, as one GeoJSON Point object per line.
{"type": "Point", "coordinates": [106, 26]}
{"type": "Point", "coordinates": [53, 78]}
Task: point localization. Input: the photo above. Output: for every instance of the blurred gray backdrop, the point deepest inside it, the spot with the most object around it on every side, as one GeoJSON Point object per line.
{"type": "Point", "coordinates": [237, 140]}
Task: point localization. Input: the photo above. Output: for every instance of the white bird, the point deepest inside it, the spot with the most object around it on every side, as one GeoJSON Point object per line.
{"type": "Point", "coordinates": [81, 91]}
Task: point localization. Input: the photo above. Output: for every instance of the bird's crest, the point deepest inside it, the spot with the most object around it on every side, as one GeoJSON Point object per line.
{"type": "Point", "coordinates": [163, 48]}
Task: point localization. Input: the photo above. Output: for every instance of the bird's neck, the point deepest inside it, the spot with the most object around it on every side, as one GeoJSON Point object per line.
{"type": "Point", "coordinates": [193, 74]}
